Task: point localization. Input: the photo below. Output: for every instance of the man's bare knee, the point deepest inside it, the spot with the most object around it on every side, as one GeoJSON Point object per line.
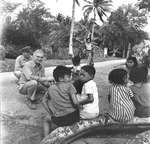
{"type": "Point", "coordinates": [33, 83]}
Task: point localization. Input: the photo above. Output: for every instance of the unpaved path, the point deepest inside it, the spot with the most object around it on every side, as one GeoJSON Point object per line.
{"type": "Point", "coordinates": [20, 125]}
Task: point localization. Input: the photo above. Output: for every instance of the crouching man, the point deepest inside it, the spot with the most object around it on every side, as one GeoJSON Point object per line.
{"type": "Point", "coordinates": [33, 80]}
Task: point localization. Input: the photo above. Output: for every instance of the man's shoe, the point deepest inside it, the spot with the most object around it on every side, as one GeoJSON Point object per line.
{"type": "Point", "coordinates": [31, 105]}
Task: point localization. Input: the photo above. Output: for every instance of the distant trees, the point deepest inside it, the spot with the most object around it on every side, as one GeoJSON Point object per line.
{"type": "Point", "coordinates": [124, 27]}
{"type": "Point", "coordinates": [34, 25]}
{"type": "Point", "coordinates": [144, 4]}
{"type": "Point", "coordinates": [28, 27]}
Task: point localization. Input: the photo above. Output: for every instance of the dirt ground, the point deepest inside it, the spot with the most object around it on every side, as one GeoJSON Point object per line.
{"type": "Point", "coordinates": [20, 125]}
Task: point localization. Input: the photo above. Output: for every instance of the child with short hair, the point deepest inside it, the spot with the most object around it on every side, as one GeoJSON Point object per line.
{"type": "Point", "coordinates": [141, 91]}
{"type": "Point", "coordinates": [62, 94]}
{"type": "Point", "coordinates": [89, 96]}
{"type": "Point", "coordinates": [76, 67]}
{"type": "Point", "coordinates": [121, 107]}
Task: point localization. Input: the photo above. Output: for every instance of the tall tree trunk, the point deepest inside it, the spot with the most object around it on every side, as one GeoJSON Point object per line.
{"type": "Point", "coordinates": [92, 35]}
{"type": "Point", "coordinates": [71, 30]}
{"type": "Point", "coordinates": [128, 51]}
{"type": "Point", "coordinates": [124, 53]}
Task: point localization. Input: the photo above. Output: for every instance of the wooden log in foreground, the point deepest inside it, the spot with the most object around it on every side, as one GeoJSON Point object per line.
{"type": "Point", "coordinates": [101, 124]}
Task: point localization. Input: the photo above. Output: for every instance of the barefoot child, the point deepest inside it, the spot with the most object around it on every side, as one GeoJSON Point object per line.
{"type": "Point", "coordinates": [121, 107]}
{"type": "Point", "coordinates": [64, 110]}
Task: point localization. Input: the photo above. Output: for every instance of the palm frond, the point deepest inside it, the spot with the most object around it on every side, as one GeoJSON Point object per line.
{"type": "Point", "coordinates": [87, 11]}
{"type": "Point", "coordinates": [77, 2]}
{"type": "Point", "coordinates": [88, 1]}
{"type": "Point", "coordinates": [100, 15]}
{"type": "Point", "coordinates": [86, 6]}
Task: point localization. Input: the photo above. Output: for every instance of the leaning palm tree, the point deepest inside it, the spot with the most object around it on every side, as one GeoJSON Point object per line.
{"type": "Point", "coordinates": [99, 7]}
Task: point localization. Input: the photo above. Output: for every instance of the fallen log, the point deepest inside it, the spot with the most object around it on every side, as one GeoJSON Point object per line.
{"type": "Point", "coordinates": [66, 135]}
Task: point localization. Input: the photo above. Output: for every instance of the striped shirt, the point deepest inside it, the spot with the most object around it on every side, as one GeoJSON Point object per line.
{"type": "Point", "coordinates": [121, 106]}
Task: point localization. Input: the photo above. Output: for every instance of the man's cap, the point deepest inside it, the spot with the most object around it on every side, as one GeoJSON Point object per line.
{"type": "Point", "coordinates": [26, 49]}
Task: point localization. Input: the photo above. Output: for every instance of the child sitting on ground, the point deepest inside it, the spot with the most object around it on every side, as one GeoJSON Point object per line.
{"type": "Point", "coordinates": [131, 63]}
{"type": "Point", "coordinates": [89, 96]}
{"type": "Point", "coordinates": [121, 107]}
{"type": "Point", "coordinates": [62, 95]}
{"type": "Point", "coordinates": [141, 91]}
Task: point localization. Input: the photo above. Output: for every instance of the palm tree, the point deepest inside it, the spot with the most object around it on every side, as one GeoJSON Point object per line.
{"type": "Point", "coordinates": [72, 27]}
{"type": "Point", "coordinates": [144, 4]}
{"type": "Point", "coordinates": [99, 7]}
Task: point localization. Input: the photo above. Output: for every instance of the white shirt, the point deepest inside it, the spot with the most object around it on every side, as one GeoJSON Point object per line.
{"type": "Point", "coordinates": [90, 88]}
{"type": "Point", "coordinates": [88, 46]}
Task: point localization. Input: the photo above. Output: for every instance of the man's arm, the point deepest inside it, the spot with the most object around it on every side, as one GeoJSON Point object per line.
{"type": "Point", "coordinates": [28, 72]}
{"type": "Point", "coordinates": [45, 103]}
{"type": "Point", "coordinates": [17, 64]}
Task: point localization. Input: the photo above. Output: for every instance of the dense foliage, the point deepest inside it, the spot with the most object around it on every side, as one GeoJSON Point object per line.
{"type": "Point", "coordinates": [34, 25]}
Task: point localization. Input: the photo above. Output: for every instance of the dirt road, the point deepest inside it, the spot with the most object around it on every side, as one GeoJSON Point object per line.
{"type": "Point", "coordinates": [21, 125]}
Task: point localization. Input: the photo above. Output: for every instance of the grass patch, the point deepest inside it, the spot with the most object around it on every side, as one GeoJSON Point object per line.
{"type": "Point", "coordinates": [52, 62]}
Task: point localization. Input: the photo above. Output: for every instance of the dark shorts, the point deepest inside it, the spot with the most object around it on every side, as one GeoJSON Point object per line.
{"type": "Point", "coordinates": [66, 120]}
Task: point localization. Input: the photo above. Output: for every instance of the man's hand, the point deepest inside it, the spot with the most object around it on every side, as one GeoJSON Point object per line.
{"type": "Point", "coordinates": [49, 78]}
{"type": "Point", "coordinates": [43, 79]}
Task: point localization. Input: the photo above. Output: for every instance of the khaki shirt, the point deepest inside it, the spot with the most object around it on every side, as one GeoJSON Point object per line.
{"type": "Point", "coordinates": [30, 71]}
{"type": "Point", "coordinates": [20, 61]}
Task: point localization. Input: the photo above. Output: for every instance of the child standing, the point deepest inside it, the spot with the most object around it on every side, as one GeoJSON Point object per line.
{"type": "Point", "coordinates": [89, 95]}
{"type": "Point", "coordinates": [141, 91]}
{"type": "Point", "coordinates": [121, 106]}
{"type": "Point", "coordinates": [89, 50]}
{"type": "Point", "coordinates": [62, 94]}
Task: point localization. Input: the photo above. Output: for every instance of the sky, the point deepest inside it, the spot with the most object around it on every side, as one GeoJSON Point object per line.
{"type": "Point", "coordinates": [65, 7]}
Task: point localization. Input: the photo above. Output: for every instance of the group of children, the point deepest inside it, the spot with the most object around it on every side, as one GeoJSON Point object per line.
{"type": "Point", "coordinates": [129, 91]}
{"type": "Point", "coordinates": [73, 99]}
{"type": "Point", "coordinates": [67, 106]}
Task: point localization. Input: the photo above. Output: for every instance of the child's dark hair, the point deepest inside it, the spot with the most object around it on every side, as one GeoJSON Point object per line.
{"type": "Point", "coordinates": [60, 71]}
{"type": "Point", "coordinates": [139, 74]}
{"type": "Point", "coordinates": [117, 76]}
{"type": "Point", "coordinates": [88, 39]}
{"type": "Point", "coordinates": [89, 69]}
{"type": "Point", "coordinates": [134, 60]}
{"type": "Point", "coordinates": [76, 60]}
